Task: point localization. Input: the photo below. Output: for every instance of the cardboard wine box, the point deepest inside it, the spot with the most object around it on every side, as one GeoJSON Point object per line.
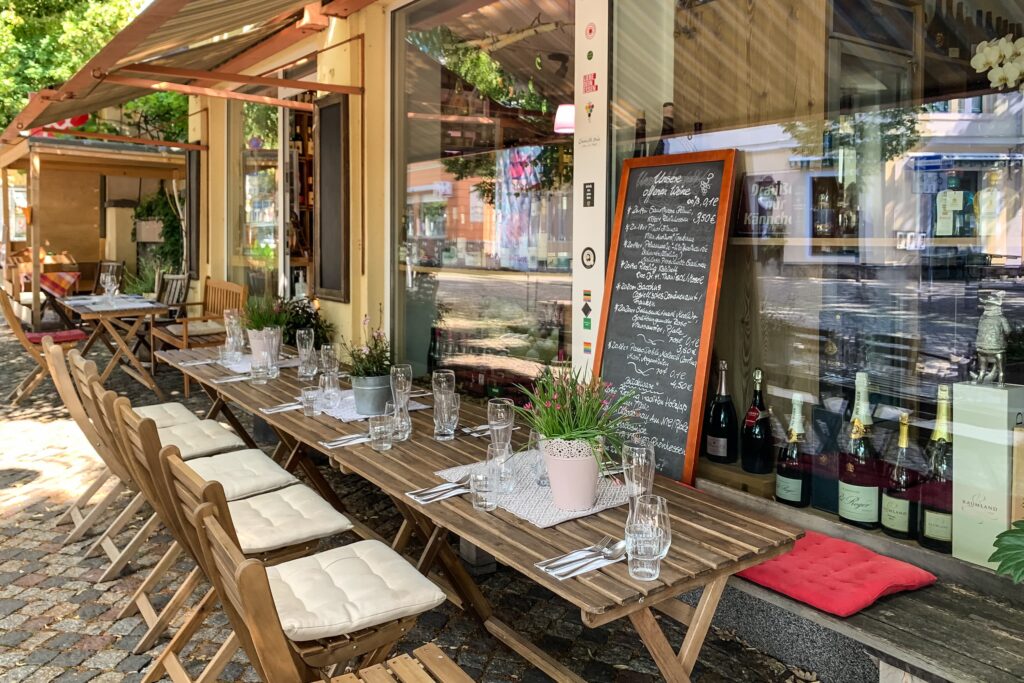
{"type": "Point", "coordinates": [1017, 487]}
{"type": "Point", "coordinates": [984, 421]}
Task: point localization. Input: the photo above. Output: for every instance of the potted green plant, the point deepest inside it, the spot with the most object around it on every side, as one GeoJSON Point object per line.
{"type": "Point", "coordinates": [370, 369]}
{"type": "Point", "coordinates": [265, 317]}
{"type": "Point", "coordinates": [1010, 552]}
{"type": "Point", "coordinates": [303, 314]}
{"type": "Point", "coordinates": [576, 419]}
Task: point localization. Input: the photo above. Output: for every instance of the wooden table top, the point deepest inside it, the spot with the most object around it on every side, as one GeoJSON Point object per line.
{"type": "Point", "coordinates": [86, 307]}
{"type": "Point", "coordinates": [710, 537]}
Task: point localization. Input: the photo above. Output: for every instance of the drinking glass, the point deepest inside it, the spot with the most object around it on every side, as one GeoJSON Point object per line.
{"type": "Point", "coordinates": [261, 367]}
{"type": "Point", "coordinates": [234, 337]}
{"type": "Point", "coordinates": [109, 284]}
{"type": "Point", "coordinates": [446, 415]}
{"type": "Point", "coordinates": [307, 356]}
{"type": "Point", "coordinates": [310, 401]}
{"type": "Point", "coordinates": [653, 511]}
{"type": "Point", "coordinates": [536, 450]}
{"type": "Point", "coordinates": [501, 418]}
{"type": "Point", "coordinates": [274, 342]}
{"type": "Point", "coordinates": [401, 378]}
{"type": "Point", "coordinates": [381, 431]}
{"type": "Point", "coordinates": [498, 456]}
{"type": "Point", "coordinates": [328, 359]}
{"type": "Point", "coordinates": [443, 381]}
{"type": "Point", "coordinates": [638, 469]}
{"type": "Point", "coordinates": [643, 551]}
{"type": "Point", "coordinates": [483, 492]}
{"type": "Point", "coordinates": [330, 390]}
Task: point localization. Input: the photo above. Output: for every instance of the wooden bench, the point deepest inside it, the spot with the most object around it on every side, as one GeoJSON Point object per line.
{"type": "Point", "coordinates": [430, 664]}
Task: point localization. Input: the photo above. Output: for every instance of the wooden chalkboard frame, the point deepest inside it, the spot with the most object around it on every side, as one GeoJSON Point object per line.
{"type": "Point", "coordinates": [714, 282]}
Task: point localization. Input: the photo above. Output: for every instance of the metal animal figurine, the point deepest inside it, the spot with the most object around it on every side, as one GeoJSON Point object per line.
{"type": "Point", "coordinates": [993, 329]}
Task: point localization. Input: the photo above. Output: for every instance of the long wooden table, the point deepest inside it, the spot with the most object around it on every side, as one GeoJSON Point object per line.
{"type": "Point", "coordinates": [712, 539]}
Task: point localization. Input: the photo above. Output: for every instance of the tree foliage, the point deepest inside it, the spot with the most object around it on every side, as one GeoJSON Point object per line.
{"type": "Point", "coordinates": [44, 42]}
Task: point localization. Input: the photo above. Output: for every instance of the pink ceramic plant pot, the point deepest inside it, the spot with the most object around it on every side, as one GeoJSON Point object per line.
{"type": "Point", "coordinates": [572, 472]}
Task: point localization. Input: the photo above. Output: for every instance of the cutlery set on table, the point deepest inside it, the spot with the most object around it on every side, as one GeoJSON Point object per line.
{"type": "Point", "coordinates": [603, 553]}
{"type": "Point", "coordinates": [448, 489]}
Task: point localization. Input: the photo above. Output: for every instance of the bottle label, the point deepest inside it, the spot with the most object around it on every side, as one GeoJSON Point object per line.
{"type": "Point", "coordinates": [954, 52]}
{"type": "Point", "coordinates": [896, 514]}
{"type": "Point", "coordinates": [789, 489]}
{"type": "Point", "coordinates": [718, 446]}
{"type": "Point", "coordinates": [753, 415]}
{"type": "Point", "coordinates": [858, 503]}
{"type": "Point", "coordinates": [938, 525]}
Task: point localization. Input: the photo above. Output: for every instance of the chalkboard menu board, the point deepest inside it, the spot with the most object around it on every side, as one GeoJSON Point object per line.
{"type": "Point", "coordinates": [661, 293]}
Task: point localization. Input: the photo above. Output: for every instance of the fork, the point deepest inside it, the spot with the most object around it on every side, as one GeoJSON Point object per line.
{"type": "Point", "coordinates": [561, 560]}
{"type": "Point", "coordinates": [440, 487]}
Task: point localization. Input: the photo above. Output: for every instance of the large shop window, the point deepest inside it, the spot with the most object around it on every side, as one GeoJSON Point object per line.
{"type": "Point", "coordinates": [876, 251]}
{"type": "Point", "coordinates": [482, 190]}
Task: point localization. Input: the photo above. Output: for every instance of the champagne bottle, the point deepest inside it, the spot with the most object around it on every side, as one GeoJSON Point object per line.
{"type": "Point", "coordinates": [793, 469]}
{"type": "Point", "coordinates": [721, 433]}
{"type": "Point", "coordinates": [937, 32]}
{"type": "Point", "coordinates": [935, 530]}
{"type": "Point", "coordinates": [990, 28]}
{"type": "Point", "coordinates": [640, 136]}
{"type": "Point", "coordinates": [757, 447]}
{"type": "Point", "coordinates": [859, 495]}
{"type": "Point", "coordinates": [668, 129]}
{"type": "Point", "coordinates": [899, 499]}
{"type": "Point", "coordinates": [954, 47]}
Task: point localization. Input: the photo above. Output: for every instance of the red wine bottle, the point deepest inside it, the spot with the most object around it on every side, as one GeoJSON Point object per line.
{"type": "Point", "coordinates": [900, 497]}
{"type": "Point", "coordinates": [859, 494]}
{"type": "Point", "coordinates": [668, 129]}
{"type": "Point", "coordinates": [936, 508]}
{"type": "Point", "coordinates": [640, 137]}
{"type": "Point", "coordinates": [793, 469]}
{"type": "Point", "coordinates": [721, 430]}
{"type": "Point", "coordinates": [757, 445]}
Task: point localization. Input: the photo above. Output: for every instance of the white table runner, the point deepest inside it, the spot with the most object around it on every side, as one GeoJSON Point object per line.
{"type": "Point", "coordinates": [346, 410]}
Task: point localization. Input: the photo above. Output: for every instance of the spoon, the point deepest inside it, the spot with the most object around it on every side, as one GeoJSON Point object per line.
{"type": "Point", "coordinates": [589, 553]}
{"type": "Point", "coordinates": [613, 552]}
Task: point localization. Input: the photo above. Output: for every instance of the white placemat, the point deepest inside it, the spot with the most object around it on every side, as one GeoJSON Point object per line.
{"type": "Point", "coordinates": [532, 502]}
{"type": "Point", "coordinates": [245, 364]}
{"type": "Point", "coordinates": [120, 303]}
{"type": "Point", "coordinates": [346, 410]}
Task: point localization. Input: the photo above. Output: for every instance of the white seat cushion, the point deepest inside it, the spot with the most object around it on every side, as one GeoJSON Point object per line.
{"type": "Point", "coordinates": [25, 298]}
{"type": "Point", "coordinates": [349, 588]}
{"type": "Point", "coordinates": [197, 329]}
{"type": "Point", "coordinates": [243, 473]}
{"type": "Point", "coordinates": [167, 414]}
{"type": "Point", "coordinates": [200, 438]}
{"type": "Point", "coordinates": [278, 519]}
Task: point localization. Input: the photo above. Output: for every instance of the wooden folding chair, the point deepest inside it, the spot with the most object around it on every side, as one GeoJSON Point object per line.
{"type": "Point", "coordinates": [172, 291]}
{"type": "Point", "coordinates": [115, 268]}
{"type": "Point", "coordinates": [83, 517]}
{"type": "Point", "coordinates": [32, 343]}
{"type": "Point", "coordinates": [426, 660]}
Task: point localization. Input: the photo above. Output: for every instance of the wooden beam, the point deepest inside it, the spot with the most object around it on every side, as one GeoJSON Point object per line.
{"type": "Point", "coordinates": [135, 141]}
{"type": "Point", "coordinates": [5, 238]}
{"type": "Point", "coordinates": [37, 104]}
{"type": "Point", "coordinates": [262, 50]}
{"type": "Point", "coordinates": [344, 8]}
{"type": "Point", "coordinates": [121, 171]}
{"type": "Point", "coordinates": [227, 77]}
{"type": "Point", "coordinates": [35, 239]}
{"type": "Point", "coordinates": [164, 86]}
{"type": "Point", "coordinates": [17, 151]}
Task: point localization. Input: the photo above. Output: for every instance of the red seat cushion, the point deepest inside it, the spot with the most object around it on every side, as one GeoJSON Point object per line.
{"type": "Point", "coordinates": [836, 576]}
{"type": "Point", "coordinates": [59, 336]}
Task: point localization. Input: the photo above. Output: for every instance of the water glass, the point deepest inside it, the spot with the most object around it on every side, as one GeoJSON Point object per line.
{"type": "Point", "coordinates": [311, 402]}
{"type": "Point", "coordinates": [443, 381]}
{"type": "Point", "coordinates": [261, 368]}
{"type": "Point", "coordinates": [328, 359]}
{"type": "Point", "coordinates": [381, 431]}
{"type": "Point", "coordinates": [109, 283]}
{"type": "Point", "coordinates": [446, 415]}
{"type": "Point", "coordinates": [653, 511]}
{"type": "Point", "coordinates": [307, 356]}
{"type": "Point", "coordinates": [638, 469]}
{"type": "Point", "coordinates": [483, 492]}
{"type": "Point", "coordinates": [643, 551]}
{"type": "Point", "coordinates": [536, 449]}
{"type": "Point", "coordinates": [401, 378]}
{"type": "Point", "coordinates": [234, 337]}
{"type": "Point", "coordinates": [330, 389]}
{"type": "Point", "coordinates": [498, 456]}
{"type": "Point", "coordinates": [501, 417]}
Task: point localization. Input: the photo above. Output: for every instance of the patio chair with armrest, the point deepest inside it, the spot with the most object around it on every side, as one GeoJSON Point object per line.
{"type": "Point", "coordinates": [206, 329]}
{"type": "Point", "coordinates": [32, 342]}
{"type": "Point", "coordinates": [171, 291]}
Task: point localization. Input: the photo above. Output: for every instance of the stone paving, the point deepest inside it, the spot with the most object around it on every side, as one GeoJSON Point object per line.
{"type": "Point", "coordinates": [58, 624]}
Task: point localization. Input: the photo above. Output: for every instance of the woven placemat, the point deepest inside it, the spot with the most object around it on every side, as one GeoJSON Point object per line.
{"type": "Point", "coordinates": [532, 502]}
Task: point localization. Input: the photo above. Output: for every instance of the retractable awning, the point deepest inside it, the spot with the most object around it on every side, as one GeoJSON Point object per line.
{"type": "Point", "coordinates": [176, 45]}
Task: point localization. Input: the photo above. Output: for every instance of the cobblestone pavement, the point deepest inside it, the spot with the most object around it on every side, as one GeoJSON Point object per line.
{"type": "Point", "coordinates": [58, 624]}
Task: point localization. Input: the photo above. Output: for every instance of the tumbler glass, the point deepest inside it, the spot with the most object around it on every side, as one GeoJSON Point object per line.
{"type": "Point", "coordinates": [310, 401]}
{"type": "Point", "coordinates": [498, 456]}
{"type": "Point", "coordinates": [261, 367]}
{"type": "Point", "coordinates": [501, 417]}
{"type": "Point", "coordinates": [381, 431]}
{"type": "Point", "coordinates": [446, 415]}
{"type": "Point", "coordinates": [483, 491]}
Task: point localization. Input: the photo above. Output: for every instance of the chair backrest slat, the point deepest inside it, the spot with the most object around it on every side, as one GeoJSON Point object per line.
{"type": "Point", "coordinates": [86, 379]}
{"type": "Point", "coordinates": [219, 296]}
{"type": "Point", "coordinates": [58, 364]}
{"type": "Point", "coordinates": [173, 290]}
{"type": "Point", "coordinates": [6, 303]}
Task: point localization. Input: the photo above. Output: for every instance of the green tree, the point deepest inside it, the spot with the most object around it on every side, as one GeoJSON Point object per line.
{"type": "Point", "coordinates": [44, 42]}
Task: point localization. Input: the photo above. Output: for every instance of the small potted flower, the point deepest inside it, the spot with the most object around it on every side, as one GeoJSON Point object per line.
{"type": "Point", "coordinates": [370, 369]}
{"type": "Point", "coordinates": [576, 420]}
{"type": "Point", "coordinates": [264, 319]}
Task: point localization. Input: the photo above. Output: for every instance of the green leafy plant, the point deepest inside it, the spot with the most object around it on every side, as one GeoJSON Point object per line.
{"type": "Point", "coordinates": [564, 406]}
{"type": "Point", "coordinates": [303, 314]}
{"type": "Point", "coordinates": [373, 357]}
{"type": "Point", "coordinates": [144, 280]}
{"type": "Point", "coordinates": [1010, 552]}
{"type": "Point", "coordinates": [158, 206]}
{"type": "Point", "coordinates": [262, 312]}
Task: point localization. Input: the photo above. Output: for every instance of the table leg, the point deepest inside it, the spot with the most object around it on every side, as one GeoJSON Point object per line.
{"type": "Point", "coordinates": [697, 631]}
{"type": "Point", "coordinates": [220, 407]}
{"type": "Point", "coordinates": [298, 458]}
{"type": "Point", "coordinates": [124, 350]}
{"type": "Point", "coordinates": [98, 334]}
{"type": "Point", "coordinates": [59, 310]}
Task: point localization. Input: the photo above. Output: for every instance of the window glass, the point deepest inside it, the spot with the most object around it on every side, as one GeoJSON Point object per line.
{"type": "Point", "coordinates": [876, 240]}
{"type": "Point", "coordinates": [482, 190]}
{"type": "Point", "coordinates": [17, 201]}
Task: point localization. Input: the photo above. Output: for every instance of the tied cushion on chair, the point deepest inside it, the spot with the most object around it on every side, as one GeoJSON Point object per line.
{"type": "Point", "coordinates": [200, 438]}
{"type": "Point", "coordinates": [199, 328]}
{"type": "Point", "coordinates": [243, 473]}
{"type": "Point", "coordinates": [836, 576]}
{"type": "Point", "coordinates": [282, 518]}
{"type": "Point", "coordinates": [349, 588]}
{"type": "Point", "coordinates": [58, 336]}
{"type": "Point", "coordinates": [169, 414]}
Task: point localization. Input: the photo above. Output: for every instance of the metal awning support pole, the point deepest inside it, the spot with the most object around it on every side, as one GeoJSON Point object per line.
{"type": "Point", "coordinates": [34, 196]}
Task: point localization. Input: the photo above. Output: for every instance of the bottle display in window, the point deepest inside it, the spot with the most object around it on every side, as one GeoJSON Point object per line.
{"type": "Point", "coordinates": [757, 443]}
{"type": "Point", "coordinates": [721, 430]}
{"type": "Point", "coordinates": [793, 469]}
{"type": "Point", "coordinates": [900, 496]}
{"type": "Point", "coordinates": [936, 513]}
{"type": "Point", "coordinates": [859, 492]}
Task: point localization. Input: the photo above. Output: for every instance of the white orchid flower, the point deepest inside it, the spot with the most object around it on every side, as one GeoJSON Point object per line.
{"type": "Point", "coordinates": [981, 47]}
{"type": "Point", "coordinates": [997, 77]}
{"type": "Point", "coordinates": [1011, 72]}
{"type": "Point", "coordinates": [1007, 48]}
{"type": "Point", "coordinates": [979, 63]}
{"type": "Point", "coordinates": [1019, 44]}
{"type": "Point", "coordinates": [993, 55]}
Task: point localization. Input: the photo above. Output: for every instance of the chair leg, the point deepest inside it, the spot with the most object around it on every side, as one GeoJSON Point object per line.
{"type": "Point", "coordinates": [26, 386]}
{"type": "Point", "coordinates": [160, 569]}
{"type": "Point", "coordinates": [130, 550]}
{"type": "Point", "coordinates": [106, 541]}
{"type": "Point", "coordinates": [187, 392]}
{"type": "Point", "coordinates": [168, 661]}
{"type": "Point", "coordinates": [85, 523]}
{"type": "Point", "coordinates": [83, 500]}
{"type": "Point", "coordinates": [161, 621]}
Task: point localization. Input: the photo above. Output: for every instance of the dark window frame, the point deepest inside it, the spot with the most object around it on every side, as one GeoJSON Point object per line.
{"type": "Point", "coordinates": [339, 179]}
{"type": "Point", "coordinates": [193, 184]}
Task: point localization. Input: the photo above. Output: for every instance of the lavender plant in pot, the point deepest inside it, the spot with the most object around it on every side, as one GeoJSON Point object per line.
{"type": "Point", "coordinates": [370, 369]}
{"type": "Point", "coordinates": [576, 419]}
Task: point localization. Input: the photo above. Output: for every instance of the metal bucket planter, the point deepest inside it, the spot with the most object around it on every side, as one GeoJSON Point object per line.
{"type": "Point", "coordinates": [371, 394]}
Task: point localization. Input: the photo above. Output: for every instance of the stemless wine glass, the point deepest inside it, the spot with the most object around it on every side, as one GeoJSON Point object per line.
{"type": "Point", "coordinates": [446, 416]}
{"type": "Point", "coordinates": [330, 389]}
{"type": "Point", "coordinates": [638, 469]}
{"type": "Point", "coordinates": [648, 537]}
{"type": "Point", "coordinates": [443, 381]}
{"type": "Point", "coordinates": [498, 456]}
{"type": "Point", "coordinates": [307, 356]}
{"type": "Point", "coordinates": [536, 450]}
{"type": "Point", "coordinates": [501, 418]}
{"type": "Point", "coordinates": [328, 359]}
